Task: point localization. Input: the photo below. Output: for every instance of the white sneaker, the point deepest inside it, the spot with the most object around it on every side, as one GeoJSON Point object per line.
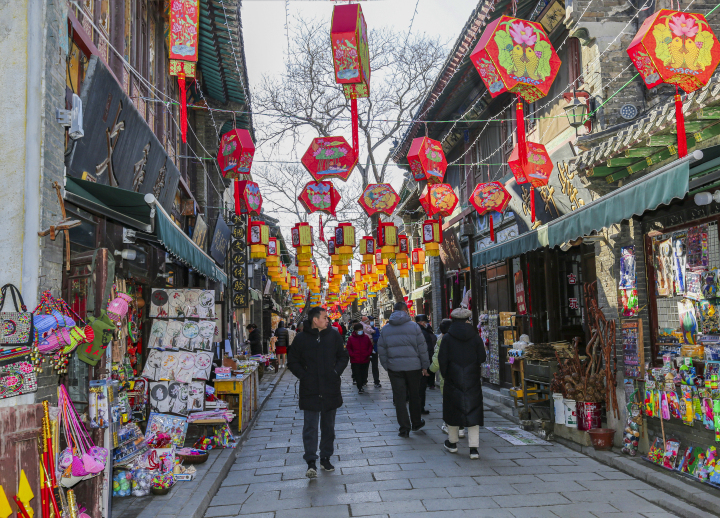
{"type": "Point", "coordinates": [461, 433]}
{"type": "Point", "coordinates": [444, 428]}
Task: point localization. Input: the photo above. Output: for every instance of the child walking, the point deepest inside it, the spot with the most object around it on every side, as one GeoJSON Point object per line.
{"type": "Point", "coordinates": [360, 348]}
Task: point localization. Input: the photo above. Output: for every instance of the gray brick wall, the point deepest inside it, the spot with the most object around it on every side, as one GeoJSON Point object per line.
{"type": "Point", "coordinates": [53, 169]}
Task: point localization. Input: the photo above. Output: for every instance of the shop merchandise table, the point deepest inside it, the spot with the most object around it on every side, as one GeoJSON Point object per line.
{"type": "Point", "coordinates": [240, 392]}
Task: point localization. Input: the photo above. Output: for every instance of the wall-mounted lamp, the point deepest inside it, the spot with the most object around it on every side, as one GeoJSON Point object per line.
{"type": "Point", "coordinates": [705, 198]}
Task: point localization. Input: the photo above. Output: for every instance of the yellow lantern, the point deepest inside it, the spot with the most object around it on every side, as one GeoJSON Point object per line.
{"type": "Point", "coordinates": [387, 239]}
{"type": "Point", "coordinates": [272, 261]}
{"type": "Point", "coordinates": [418, 259]}
{"type": "Point", "coordinates": [432, 237]}
{"type": "Point", "coordinates": [403, 248]}
{"type": "Point", "coordinates": [367, 249]}
{"type": "Point", "coordinates": [302, 240]}
{"type": "Point", "coordinates": [294, 284]}
{"type": "Point", "coordinates": [259, 238]}
{"type": "Point", "coordinates": [380, 263]}
{"type": "Point", "coordinates": [403, 269]}
{"type": "Point", "coordinates": [345, 241]}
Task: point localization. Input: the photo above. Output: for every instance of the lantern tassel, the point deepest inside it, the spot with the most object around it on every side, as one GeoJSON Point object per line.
{"type": "Point", "coordinates": [492, 228]}
{"type": "Point", "coordinates": [183, 106]}
{"type": "Point", "coordinates": [354, 115]}
{"type": "Point", "coordinates": [532, 204]}
{"type": "Point", "coordinates": [680, 119]}
{"type": "Point", "coordinates": [520, 127]}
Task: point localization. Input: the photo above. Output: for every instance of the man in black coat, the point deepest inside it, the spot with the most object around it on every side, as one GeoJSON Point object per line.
{"type": "Point", "coordinates": [430, 340]}
{"type": "Point", "coordinates": [317, 358]}
{"type": "Point", "coordinates": [460, 356]}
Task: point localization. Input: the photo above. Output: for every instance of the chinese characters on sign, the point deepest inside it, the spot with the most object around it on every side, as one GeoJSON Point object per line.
{"type": "Point", "coordinates": [574, 303]}
{"type": "Point", "coordinates": [572, 279]}
{"type": "Point", "coordinates": [520, 294]}
{"type": "Point", "coordinates": [239, 264]}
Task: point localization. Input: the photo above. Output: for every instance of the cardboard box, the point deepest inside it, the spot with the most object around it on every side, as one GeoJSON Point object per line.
{"type": "Point", "coordinates": [506, 318]}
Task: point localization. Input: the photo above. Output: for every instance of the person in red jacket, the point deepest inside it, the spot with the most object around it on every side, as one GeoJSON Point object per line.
{"type": "Point", "coordinates": [360, 348]}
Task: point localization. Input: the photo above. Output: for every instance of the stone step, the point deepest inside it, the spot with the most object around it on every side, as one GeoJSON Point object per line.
{"type": "Point", "coordinates": [499, 396]}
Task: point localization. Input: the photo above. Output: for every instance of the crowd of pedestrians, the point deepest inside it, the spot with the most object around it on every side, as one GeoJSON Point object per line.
{"type": "Point", "coordinates": [318, 353]}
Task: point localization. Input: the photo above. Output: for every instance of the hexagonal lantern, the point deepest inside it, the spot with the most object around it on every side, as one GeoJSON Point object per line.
{"type": "Point", "coordinates": [379, 197]}
{"type": "Point", "coordinates": [427, 160]}
{"type": "Point", "coordinates": [539, 166]}
{"type": "Point", "coordinates": [677, 48]}
{"type": "Point", "coordinates": [516, 56]}
{"type": "Point", "coordinates": [320, 197]}
{"type": "Point", "coordinates": [236, 153]}
{"type": "Point", "coordinates": [351, 54]}
{"type": "Point", "coordinates": [329, 157]}
{"type": "Point", "coordinates": [248, 199]}
{"type": "Point", "coordinates": [438, 199]}
{"type": "Point", "coordinates": [488, 197]}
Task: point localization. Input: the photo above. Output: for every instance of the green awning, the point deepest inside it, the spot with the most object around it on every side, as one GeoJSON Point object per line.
{"type": "Point", "coordinates": [132, 209]}
{"type": "Point", "coordinates": [419, 293]}
{"type": "Point", "coordinates": [646, 193]}
{"type": "Point", "coordinates": [128, 209]}
{"type": "Point", "coordinates": [180, 246]}
{"type": "Point", "coordinates": [510, 248]}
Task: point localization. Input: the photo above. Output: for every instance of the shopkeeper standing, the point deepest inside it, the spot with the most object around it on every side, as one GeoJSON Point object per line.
{"type": "Point", "coordinates": [317, 358]}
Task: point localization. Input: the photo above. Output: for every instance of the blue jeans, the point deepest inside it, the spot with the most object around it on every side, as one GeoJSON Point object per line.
{"type": "Point", "coordinates": [310, 434]}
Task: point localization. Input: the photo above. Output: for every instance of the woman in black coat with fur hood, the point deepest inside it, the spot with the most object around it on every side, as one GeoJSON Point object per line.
{"type": "Point", "coordinates": [461, 354]}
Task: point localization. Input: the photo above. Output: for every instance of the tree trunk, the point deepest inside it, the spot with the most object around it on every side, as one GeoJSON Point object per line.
{"type": "Point", "coordinates": [394, 284]}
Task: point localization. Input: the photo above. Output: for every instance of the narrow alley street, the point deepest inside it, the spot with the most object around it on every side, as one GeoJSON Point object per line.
{"type": "Point", "coordinates": [378, 474]}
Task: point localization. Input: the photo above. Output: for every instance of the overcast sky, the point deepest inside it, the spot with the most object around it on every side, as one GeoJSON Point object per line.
{"type": "Point", "coordinates": [266, 43]}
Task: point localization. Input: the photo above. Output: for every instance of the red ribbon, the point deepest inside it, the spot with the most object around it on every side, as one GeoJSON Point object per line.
{"type": "Point", "coordinates": [183, 106]}
{"type": "Point", "coordinates": [354, 115]}
{"type": "Point", "coordinates": [680, 119]}
{"type": "Point", "coordinates": [532, 204]}
{"type": "Point", "coordinates": [492, 228]}
{"type": "Point", "coordinates": [520, 127]}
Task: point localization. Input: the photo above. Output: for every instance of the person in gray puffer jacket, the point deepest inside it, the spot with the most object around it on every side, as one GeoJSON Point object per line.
{"type": "Point", "coordinates": [403, 354]}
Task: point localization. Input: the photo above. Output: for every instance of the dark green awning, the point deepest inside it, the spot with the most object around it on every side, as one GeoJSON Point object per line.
{"type": "Point", "coordinates": [510, 248]}
{"type": "Point", "coordinates": [128, 209]}
{"type": "Point", "coordinates": [135, 210]}
{"type": "Point", "coordinates": [646, 193]}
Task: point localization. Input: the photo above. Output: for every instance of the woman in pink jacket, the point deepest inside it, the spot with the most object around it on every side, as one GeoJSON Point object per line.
{"type": "Point", "coordinates": [360, 348]}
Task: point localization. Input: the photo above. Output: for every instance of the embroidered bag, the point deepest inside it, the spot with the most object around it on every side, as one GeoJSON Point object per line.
{"type": "Point", "coordinates": [16, 328]}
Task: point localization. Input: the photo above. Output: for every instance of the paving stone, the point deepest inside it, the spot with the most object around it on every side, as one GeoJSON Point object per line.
{"type": "Point", "coordinates": [365, 509]}
{"type": "Point", "coordinates": [223, 510]}
{"type": "Point", "coordinates": [479, 502]}
{"type": "Point", "coordinates": [413, 494]}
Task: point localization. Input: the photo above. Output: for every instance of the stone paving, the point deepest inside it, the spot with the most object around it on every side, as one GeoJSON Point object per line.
{"type": "Point", "coordinates": [379, 474]}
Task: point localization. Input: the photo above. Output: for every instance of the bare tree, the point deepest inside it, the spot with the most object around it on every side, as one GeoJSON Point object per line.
{"type": "Point", "coordinates": [306, 100]}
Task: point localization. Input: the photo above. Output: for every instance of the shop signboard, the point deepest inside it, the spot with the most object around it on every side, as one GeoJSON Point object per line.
{"type": "Point", "coordinates": [240, 292]}
{"type": "Point", "coordinates": [199, 234]}
{"type": "Point", "coordinates": [450, 251]}
{"type": "Point", "coordinates": [119, 148]}
{"type": "Point", "coordinates": [220, 241]}
{"type": "Point", "coordinates": [520, 293]}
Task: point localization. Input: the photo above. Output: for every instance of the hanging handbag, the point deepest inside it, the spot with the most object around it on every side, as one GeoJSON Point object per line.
{"type": "Point", "coordinates": [16, 328]}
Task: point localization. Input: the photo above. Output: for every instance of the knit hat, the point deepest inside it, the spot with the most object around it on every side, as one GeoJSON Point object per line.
{"type": "Point", "coordinates": [461, 314]}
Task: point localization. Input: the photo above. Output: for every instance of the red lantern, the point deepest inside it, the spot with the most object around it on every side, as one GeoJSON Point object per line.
{"type": "Point", "coordinates": [329, 157]}
{"type": "Point", "coordinates": [403, 248]}
{"type": "Point", "coordinates": [379, 197]}
{"type": "Point", "coordinates": [236, 153]}
{"type": "Point", "coordinates": [351, 58]}
{"type": "Point", "coordinates": [418, 259]}
{"type": "Point", "coordinates": [677, 48]}
{"type": "Point", "coordinates": [183, 49]}
{"type": "Point", "coordinates": [516, 56]}
{"type": "Point", "coordinates": [248, 199]}
{"type": "Point", "coordinates": [432, 237]}
{"type": "Point", "coordinates": [490, 196]}
{"type": "Point", "coordinates": [427, 160]}
{"type": "Point", "coordinates": [438, 199]}
{"type": "Point", "coordinates": [320, 197]}
{"type": "Point", "coordinates": [537, 171]}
